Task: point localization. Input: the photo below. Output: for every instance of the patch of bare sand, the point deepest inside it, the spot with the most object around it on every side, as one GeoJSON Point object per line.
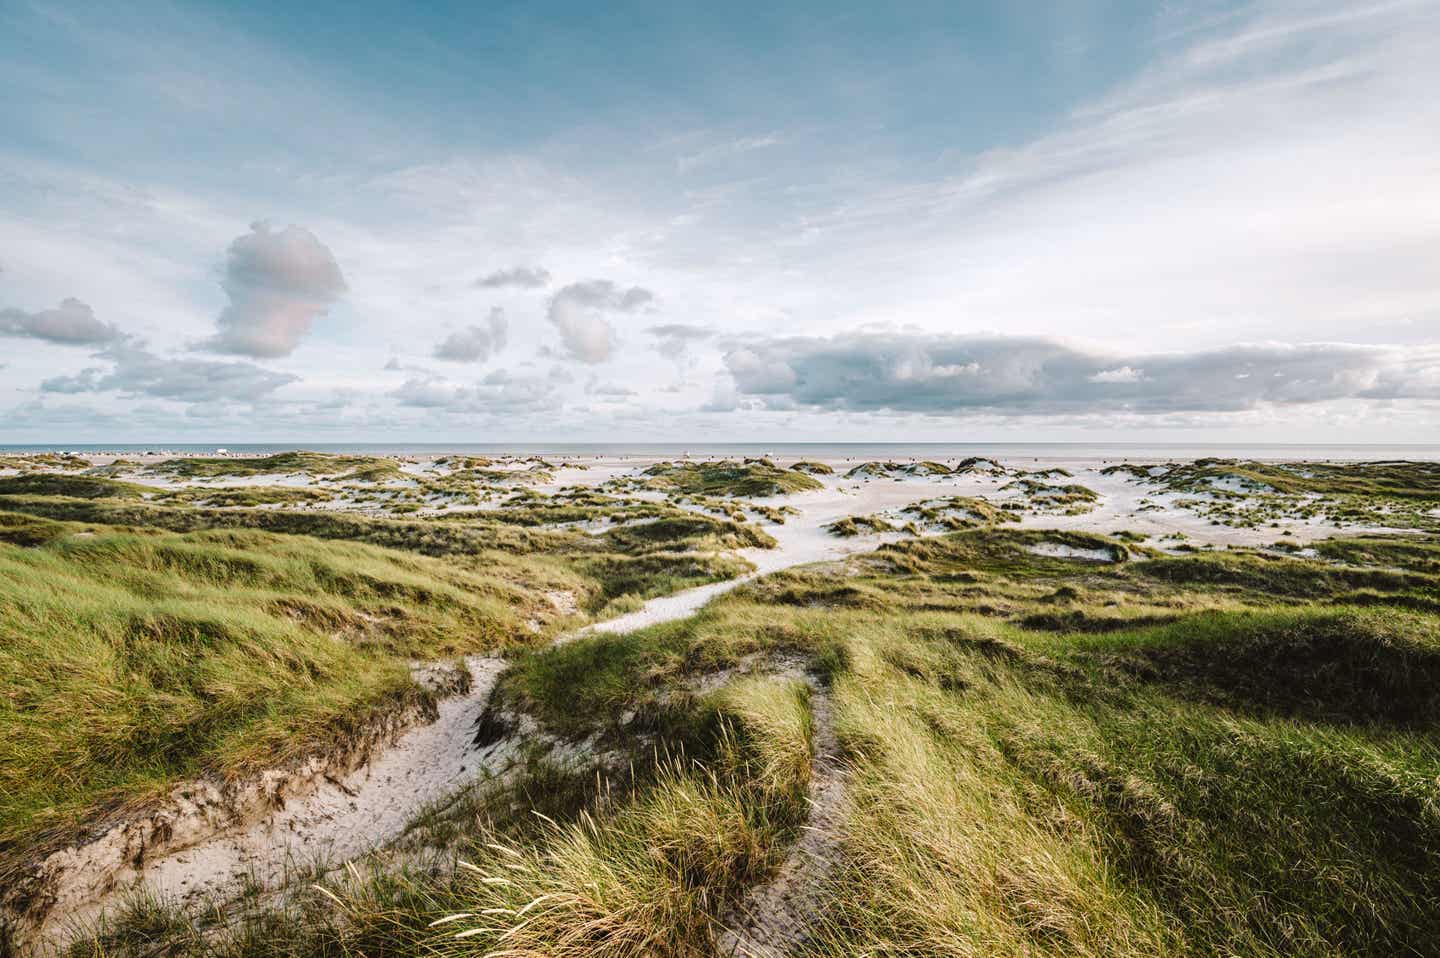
{"type": "Point", "coordinates": [208, 842]}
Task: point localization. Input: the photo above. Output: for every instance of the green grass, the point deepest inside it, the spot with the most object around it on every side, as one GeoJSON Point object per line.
{"type": "Point", "coordinates": [44, 460]}
{"type": "Point", "coordinates": [144, 642]}
{"type": "Point", "coordinates": [624, 873]}
{"type": "Point", "coordinates": [1227, 752]}
{"type": "Point", "coordinates": [21, 530]}
{"type": "Point", "coordinates": [1419, 480]}
{"type": "Point", "coordinates": [79, 487]}
{"type": "Point", "coordinates": [1251, 780]}
{"type": "Point", "coordinates": [751, 478]}
{"type": "Point", "coordinates": [1020, 794]}
{"type": "Point", "coordinates": [314, 463]}
{"type": "Point", "coordinates": [1397, 494]}
{"type": "Point", "coordinates": [130, 660]}
{"type": "Point", "coordinates": [248, 496]}
{"type": "Point", "coordinates": [1248, 782]}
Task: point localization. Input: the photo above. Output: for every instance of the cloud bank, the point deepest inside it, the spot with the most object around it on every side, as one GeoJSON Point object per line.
{"type": "Point", "coordinates": [72, 323]}
{"type": "Point", "coordinates": [498, 392]}
{"type": "Point", "coordinates": [136, 371]}
{"type": "Point", "coordinates": [278, 284]}
{"type": "Point", "coordinates": [947, 374]}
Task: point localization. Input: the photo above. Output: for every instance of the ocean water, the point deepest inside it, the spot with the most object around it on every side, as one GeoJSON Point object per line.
{"type": "Point", "coordinates": [809, 450]}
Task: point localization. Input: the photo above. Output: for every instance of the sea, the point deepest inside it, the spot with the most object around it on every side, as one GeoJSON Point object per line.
{"type": "Point", "coordinates": [808, 450]}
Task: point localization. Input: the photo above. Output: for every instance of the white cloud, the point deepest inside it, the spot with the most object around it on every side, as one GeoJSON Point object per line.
{"type": "Point", "coordinates": [1034, 376]}
{"type": "Point", "coordinates": [135, 371]}
{"type": "Point", "coordinates": [72, 323]}
{"type": "Point", "coordinates": [580, 312]}
{"type": "Point", "coordinates": [1268, 175]}
{"type": "Point", "coordinates": [278, 284]}
{"type": "Point", "coordinates": [474, 343]}
{"type": "Point", "coordinates": [499, 392]}
{"type": "Point", "coordinates": [519, 277]}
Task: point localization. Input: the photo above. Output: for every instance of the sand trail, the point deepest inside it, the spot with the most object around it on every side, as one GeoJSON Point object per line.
{"type": "Point", "coordinates": [776, 915]}
{"type": "Point", "coordinates": [208, 845]}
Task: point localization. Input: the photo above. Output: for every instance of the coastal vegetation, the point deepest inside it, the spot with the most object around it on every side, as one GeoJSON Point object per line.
{"type": "Point", "coordinates": [750, 478]}
{"type": "Point", "coordinates": [987, 737]}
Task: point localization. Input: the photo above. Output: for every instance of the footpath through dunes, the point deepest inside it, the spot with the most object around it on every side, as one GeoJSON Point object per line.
{"type": "Point", "coordinates": [776, 915]}
{"type": "Point", "coordinates": [245, 618]}
{"type": "Point", "coordinates": [200, 700]}
{"type": "Point", "coordinates": [211, 842]}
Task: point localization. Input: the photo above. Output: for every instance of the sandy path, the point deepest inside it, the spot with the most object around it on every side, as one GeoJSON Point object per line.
{"type": "Point", "coordinates": [331, 820]}
{"type": "Point", "coordinates": [775, 915]}
{"type": "Point", "coordinates": [802, 539]}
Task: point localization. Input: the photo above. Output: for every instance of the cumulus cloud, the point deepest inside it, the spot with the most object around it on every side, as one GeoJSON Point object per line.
{"type": "Point", "coordinates": [279, 283]}
{"type": "Point", "coordinates": [427, 392]}
{"type": "Point", "coordinates": [579, 311]}
{"type": "Point", "coordinates": [674, 339]}
{"type": "Point", "coordinates": [72, 323]}
{"type": "Point", "coordinates": [475, 343]}
{"type": "Point", "coordinates": [940, 374]}
{"type": "Point", "coordinates": [135, 371]}
{"type": "Point", "coordinates": [498, 392]}
{"type": "Point", "coordinates": [517, 277]}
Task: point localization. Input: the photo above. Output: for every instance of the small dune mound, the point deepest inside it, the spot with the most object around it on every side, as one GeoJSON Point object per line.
{"type": "Point", "coordinates": [1345, 666]}
{"type": "Point", "coordinates": [869, 470]}
{"type": "Point", "coordinates": [881, 470]}
{"type": "Point", "coordinates": [726, 477]}
{"type": "Point", "coordinates": [979, 464]}
{"type": "Point", "coordinates": [851, 526]}
{"type": "Point", "coordinates": [75, 487]}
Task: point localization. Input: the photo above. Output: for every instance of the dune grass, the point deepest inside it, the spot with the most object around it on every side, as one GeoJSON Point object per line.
{"type": "Point", "coordinates": [1246, 494]}
{"type": "Point", "coordinates": [132, 659]}
{"type": "Point", "coordinates": [150, 641]}
{"type": "Point", "coordinates": [1219, 753]}
{"type": "Point", "coordinates": [1246, 778]}
{"type": "Point", "coordinates": [62, 484]}
{"type": "Point", "coordinates": [248, 496]}
{"type": "Point", "coordinates": [627, 875]}
{"type": "Point", "coordinates": [751, 478]}
{"type": "Point", "coordinates": [1022, 794]}
{"type": "Point", "coordinates": [298, 461]}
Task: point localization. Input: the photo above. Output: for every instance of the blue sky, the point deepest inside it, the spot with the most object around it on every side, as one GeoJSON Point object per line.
{"type": "Point", "coordinates": [1074, 220]}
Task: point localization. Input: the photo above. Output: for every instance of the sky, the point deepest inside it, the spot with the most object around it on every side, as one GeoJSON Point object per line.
{"type": "Point", "coordinates": [1081, 220]}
